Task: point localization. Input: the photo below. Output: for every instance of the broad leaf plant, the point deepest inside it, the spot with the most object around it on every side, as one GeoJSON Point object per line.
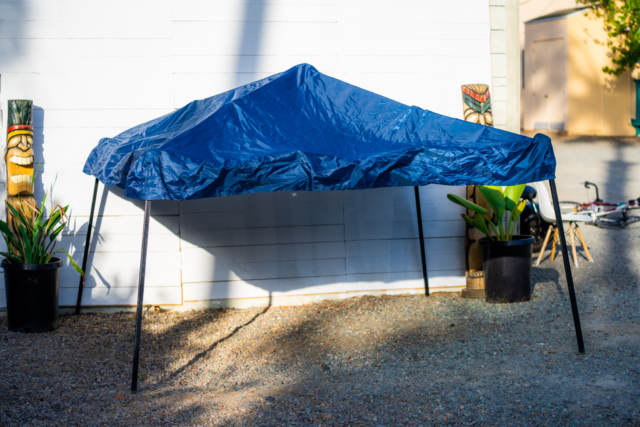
{"type": "Point", "coordinates": [501, 201]}
{"type": "Point", "coordinates": [34, 237]}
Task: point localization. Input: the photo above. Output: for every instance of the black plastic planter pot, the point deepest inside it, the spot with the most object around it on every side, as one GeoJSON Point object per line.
{"type": "Point", "coordinates": [32, 295]}
{"type": "Point", "coordinates": [507, 269]}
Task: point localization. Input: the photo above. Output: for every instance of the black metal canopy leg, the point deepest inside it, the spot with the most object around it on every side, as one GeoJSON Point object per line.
{"type": "Point", "coordinates": [143, 265]}
{"type": "Point", "coordinates": [567, 265]}
{"type": "Point", "coordinates": [421, 235]}
{"type": "Point", "coordinates": [86, 247]}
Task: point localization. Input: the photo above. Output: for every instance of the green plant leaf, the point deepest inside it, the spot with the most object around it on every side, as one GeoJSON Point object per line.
{"type": "Point", "coordinates": [6, 232]}
{"type": "Point", "coordinates": [467, 219]}
{"type": "Point", "coordinates": [11, 258]}
{"type": "Point", "coordinates": [512, 196]}
{"type": "Point", "coordinates": [466, 203]}
{"type": "Point", "coordinates": [493, 227]}
{"type": "Point", "coordinates": [26, 245]}
{"type": "Point", "coordinates": [515, 215]}
{"type": "Point", "coordinates": [481, 225]}
{"type": "Point", "coordinates": [17, 215]}
{"type": "Point", "coordinates": [53, 221]}
{"type": "Point", "coordinates": [495, 198]}
{"type": "Point", "coordinates": [73, 263]}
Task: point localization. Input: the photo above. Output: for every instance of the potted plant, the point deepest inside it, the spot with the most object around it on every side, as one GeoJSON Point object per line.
{"type": "Point", "coordinates": [31, 271]}
{"type": "Point", "coordinates": [506, 258]}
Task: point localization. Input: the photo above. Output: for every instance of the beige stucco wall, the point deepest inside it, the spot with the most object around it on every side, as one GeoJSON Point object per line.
{"type": "Point", "coordinates": [540, 31]}
{"type": "Point", "coordinates": [599, 104]}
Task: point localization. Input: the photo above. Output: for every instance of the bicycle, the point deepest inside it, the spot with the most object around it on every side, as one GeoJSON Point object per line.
{"type": "Point", "coordinates": [605, 214]}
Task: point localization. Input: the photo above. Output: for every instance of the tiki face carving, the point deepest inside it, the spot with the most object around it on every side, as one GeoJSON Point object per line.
{"type": "Point", "coordinates": [19, 159]}
{"type": "Point", "coordinates": [476, 102]}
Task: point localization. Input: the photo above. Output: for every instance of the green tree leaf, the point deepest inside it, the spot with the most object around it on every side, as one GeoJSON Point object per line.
{"type": "Point", "coordinates": [621, 22]}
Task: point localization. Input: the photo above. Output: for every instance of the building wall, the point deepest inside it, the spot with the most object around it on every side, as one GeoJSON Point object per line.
{"type": "Point", "coordinates": [96, 68]}
{"type": "Point", "coordinates": [599, 104]}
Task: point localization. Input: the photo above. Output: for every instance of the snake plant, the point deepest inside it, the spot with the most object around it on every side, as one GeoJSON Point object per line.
{"type": "Point", "coordinates": [33, 238]}
{"type": "Point", "coordinates": [500, 201]}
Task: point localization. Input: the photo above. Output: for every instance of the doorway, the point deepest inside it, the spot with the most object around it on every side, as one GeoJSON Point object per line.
{"type": "Point", "coordinates": [549, 84]}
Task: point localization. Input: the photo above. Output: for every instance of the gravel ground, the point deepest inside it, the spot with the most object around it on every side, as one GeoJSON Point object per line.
{"type": "Point", "coordinates": [383, 361]}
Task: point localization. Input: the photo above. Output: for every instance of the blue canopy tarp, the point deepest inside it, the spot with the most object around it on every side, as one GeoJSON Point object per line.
{"type": "Point", "coordinates": [303, 130]}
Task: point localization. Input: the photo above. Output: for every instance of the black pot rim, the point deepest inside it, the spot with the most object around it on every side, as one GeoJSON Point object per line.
{"type": "Point", "coordinates": [517, 240]}
{"type": "Point", "coordinates": [55, 263]}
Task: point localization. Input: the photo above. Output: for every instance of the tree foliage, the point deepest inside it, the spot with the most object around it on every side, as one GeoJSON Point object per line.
{"type": "Point", "coordinates": [622, 24]}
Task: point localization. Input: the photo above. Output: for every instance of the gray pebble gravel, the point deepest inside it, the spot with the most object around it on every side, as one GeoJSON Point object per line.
{"type": "Point", "coordinates": [371, 361]}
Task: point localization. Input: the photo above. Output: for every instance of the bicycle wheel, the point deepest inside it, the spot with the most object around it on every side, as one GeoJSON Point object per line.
{"type": "Point", "coordinates": [619, 222]}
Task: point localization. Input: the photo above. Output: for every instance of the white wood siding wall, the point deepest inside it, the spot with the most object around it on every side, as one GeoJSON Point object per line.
{"type": "Point", "coordinates": [95, 68]}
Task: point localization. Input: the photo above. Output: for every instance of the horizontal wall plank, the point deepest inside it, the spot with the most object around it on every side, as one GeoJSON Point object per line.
{"type": "Point", "coordinates": [219, 271]}
{"type": "Point", "coordinates": [404, 247]}
{"type": "Point", "coordinates": [107, 66]}
{"type": "Point", "coordinates": [121, 296]}
{"type": "Point", "coordinates": [108, 120]}
{"type": "Point", "coordinates": [262, 236]}
{"type": "Point", "coordinates": [250, 63]}
{"type": "Point", "coordinates": [233, 11]}
{"type": "Point", "coordinates": [238, 31]}
{"type": "Point", "coordinates": [445, 211]}
{"type": "Point", "coordinates": [68, 145]}
{"type": "Point", "coordinates": [321, 285]}
{"type": "Point", "coordinates": [104, 225]}
{"type": "Point", "coordinates": [188, 38]}
{"type": "Point", "coordinates": [89, 48]}
{"type": "Point", "coordinates": [116, 277]}
{"type": "Point", "coordinates": [444, 31]}
{"type": "Point", "coordinates": [123, 243]}
{"type": "Point", "coordinates": [92, 29]}
{"type": "Point", "coordinates": [90, 90]}
{"type": "Point", "coordinates": [266, 47]}
{"type": "Point", "coordinates": [194, 257]}
{"type": "Point", "coordinates": [411, 11]}
{"type": "Point", "coordinates": [266, 201]}
{"type": "Point", "coordinates": [397, 263]}
{"type": "Point", "coordinates": [110, 201]}
{"type": "Point", "coordinates": [128, 260]}
{"type": "Point", "coordinates": [400, 64]}
{"type": "Point", "coordinates": [261, 218]}
{"type": "Point", "coordinates": [414, 47]}
{"type": "Point", "coordinates": [403, 230]}
{"type": "Point", "coordinates": [73, 10]}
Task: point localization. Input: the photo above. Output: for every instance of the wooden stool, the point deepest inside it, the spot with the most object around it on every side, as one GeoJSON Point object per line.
{"type": "Point", "coordinates": [573, 229]}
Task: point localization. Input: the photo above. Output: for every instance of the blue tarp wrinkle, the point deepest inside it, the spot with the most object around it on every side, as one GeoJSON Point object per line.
{"type": "Point", "coordinates": [301, 130]}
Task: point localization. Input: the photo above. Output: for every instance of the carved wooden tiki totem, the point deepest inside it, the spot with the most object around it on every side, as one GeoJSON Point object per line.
{"type": "Point", "coordinates": [18, 156]}
{"type": "Point", "coordinates": [476, 104]}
